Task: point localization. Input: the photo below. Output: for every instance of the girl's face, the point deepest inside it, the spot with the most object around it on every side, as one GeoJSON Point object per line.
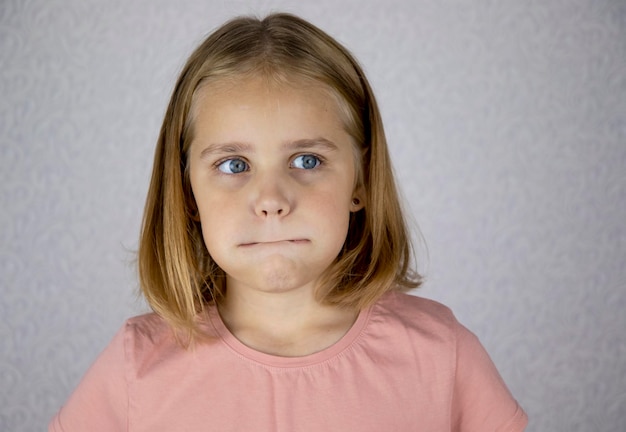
{"type": "Point", "coordinates": [272, 171]}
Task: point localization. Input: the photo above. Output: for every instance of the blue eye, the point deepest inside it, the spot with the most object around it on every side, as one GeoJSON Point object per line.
{"type": "Point", "coordinates": [306, 162]}
{"type": "Point", "coordinates": [233, 166]}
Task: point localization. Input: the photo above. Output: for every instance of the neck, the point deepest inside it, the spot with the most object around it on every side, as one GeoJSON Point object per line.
{"type": "Point", "coordinates": [288, 324]}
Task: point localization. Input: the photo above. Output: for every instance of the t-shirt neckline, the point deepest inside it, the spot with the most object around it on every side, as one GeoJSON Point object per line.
{"type": "Point", "coordinates": [271, 360]}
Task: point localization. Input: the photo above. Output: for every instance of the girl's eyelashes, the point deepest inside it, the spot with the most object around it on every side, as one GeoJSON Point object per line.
{"type": "Point", "coordinates": [233, 166]}
{"type": "Point", "coordinates": [306, 161]}
{"type": "Point", "coordinates": [236, 165]}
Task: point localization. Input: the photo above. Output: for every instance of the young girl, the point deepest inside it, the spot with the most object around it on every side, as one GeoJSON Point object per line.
{"type": "Point", "coordinates": [275, 256]}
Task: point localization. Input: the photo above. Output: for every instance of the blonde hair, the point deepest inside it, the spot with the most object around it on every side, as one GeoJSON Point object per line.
{"type": "Point", "coordinates": [177, 275]}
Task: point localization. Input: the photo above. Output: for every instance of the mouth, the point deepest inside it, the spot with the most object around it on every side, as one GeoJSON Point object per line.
{"type": "Point", "coordinates": [276, 242]}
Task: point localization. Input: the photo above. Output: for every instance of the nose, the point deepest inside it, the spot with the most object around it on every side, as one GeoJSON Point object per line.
{"type": "Point", "coordinates": [272, 197]}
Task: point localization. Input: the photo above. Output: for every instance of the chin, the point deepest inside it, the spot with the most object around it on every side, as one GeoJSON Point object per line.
{"type": "Point", "coordinates": [278, 281]}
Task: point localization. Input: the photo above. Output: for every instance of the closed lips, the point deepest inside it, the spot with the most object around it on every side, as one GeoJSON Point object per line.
{"type": "Point", "coordinates": [276, 242]}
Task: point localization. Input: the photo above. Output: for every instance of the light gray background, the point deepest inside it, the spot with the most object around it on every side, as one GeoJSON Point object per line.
{"type": "Point", "coordinates": [507, 123]}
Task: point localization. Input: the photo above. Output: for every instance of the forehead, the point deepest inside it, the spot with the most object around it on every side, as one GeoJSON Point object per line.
{"type": "Point", "coordinates": [212, 92]}
{"type": "Point", "coordinates": [233, 102]}
{"type": "Point", "coordinates": [223, 89]}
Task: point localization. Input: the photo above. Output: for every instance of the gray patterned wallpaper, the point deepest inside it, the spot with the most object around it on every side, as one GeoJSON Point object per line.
{"type": "Point", "coordinates": [507, 122]}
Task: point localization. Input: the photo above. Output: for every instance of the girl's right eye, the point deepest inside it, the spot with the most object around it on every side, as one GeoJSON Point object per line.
{"type": "Point", "coordinates": [233, 166]}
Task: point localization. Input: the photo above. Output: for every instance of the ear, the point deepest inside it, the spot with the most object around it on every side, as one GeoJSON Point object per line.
{"type": "Point", "coordinates": [358, 200]}
{"type": "Point", "coordinates": [191, 207]}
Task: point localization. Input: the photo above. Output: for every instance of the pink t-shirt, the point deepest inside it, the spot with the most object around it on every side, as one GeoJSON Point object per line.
{"type": "Point", "coordinates": [405, 365]}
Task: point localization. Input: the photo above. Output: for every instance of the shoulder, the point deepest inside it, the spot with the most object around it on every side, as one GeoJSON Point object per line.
{"type": "Point", "coordinates": [426, 323]}
{"type": "Point", "coordinates": [149, 341]}
{"type": "Point", "coordinates": [416, 313]}
{"type": "Point", "coordinates": [415, 329]}
{"type": "Point", "coordinates": [428, 332]}
{"type": "Point", "coordinates": [147, 329]}
{"type": "Point", "coordinates": [100, 401]}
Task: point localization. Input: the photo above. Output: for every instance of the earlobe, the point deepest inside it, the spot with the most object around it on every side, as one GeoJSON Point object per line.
{"type": "Point", "coordinates": [195, 216]}
{"type": "Point", "coordinates": [192, 209]}
{"type": "Point", "coordinates": [357, 203]}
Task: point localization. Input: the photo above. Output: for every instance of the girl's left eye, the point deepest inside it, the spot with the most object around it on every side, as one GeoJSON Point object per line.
{"type": "Point", "coordinates": [306, 161]}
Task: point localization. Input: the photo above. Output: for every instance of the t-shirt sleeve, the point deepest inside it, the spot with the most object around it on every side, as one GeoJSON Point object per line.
{"type": "Point", "coordinates": [100, 402]}
{"type": "Point", "coordinates": [481, 400]}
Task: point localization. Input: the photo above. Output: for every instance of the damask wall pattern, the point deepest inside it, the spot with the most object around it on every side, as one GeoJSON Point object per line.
{"type": "Point", "coordinates": [507, 125]}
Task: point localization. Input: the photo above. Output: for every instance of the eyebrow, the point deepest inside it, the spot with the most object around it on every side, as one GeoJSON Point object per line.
{"type": "Point", "coordinates": [239, 147]}
{"type": "Point", "coordinates": [230, 147]}
{"type": "Point", "coordinates": [305, 144]}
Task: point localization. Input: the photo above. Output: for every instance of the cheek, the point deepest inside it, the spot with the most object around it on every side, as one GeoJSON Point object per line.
{"type": "Point", "coordinates": [332, 210]}
{"type": "Point", "coordinates": [217, 216]}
